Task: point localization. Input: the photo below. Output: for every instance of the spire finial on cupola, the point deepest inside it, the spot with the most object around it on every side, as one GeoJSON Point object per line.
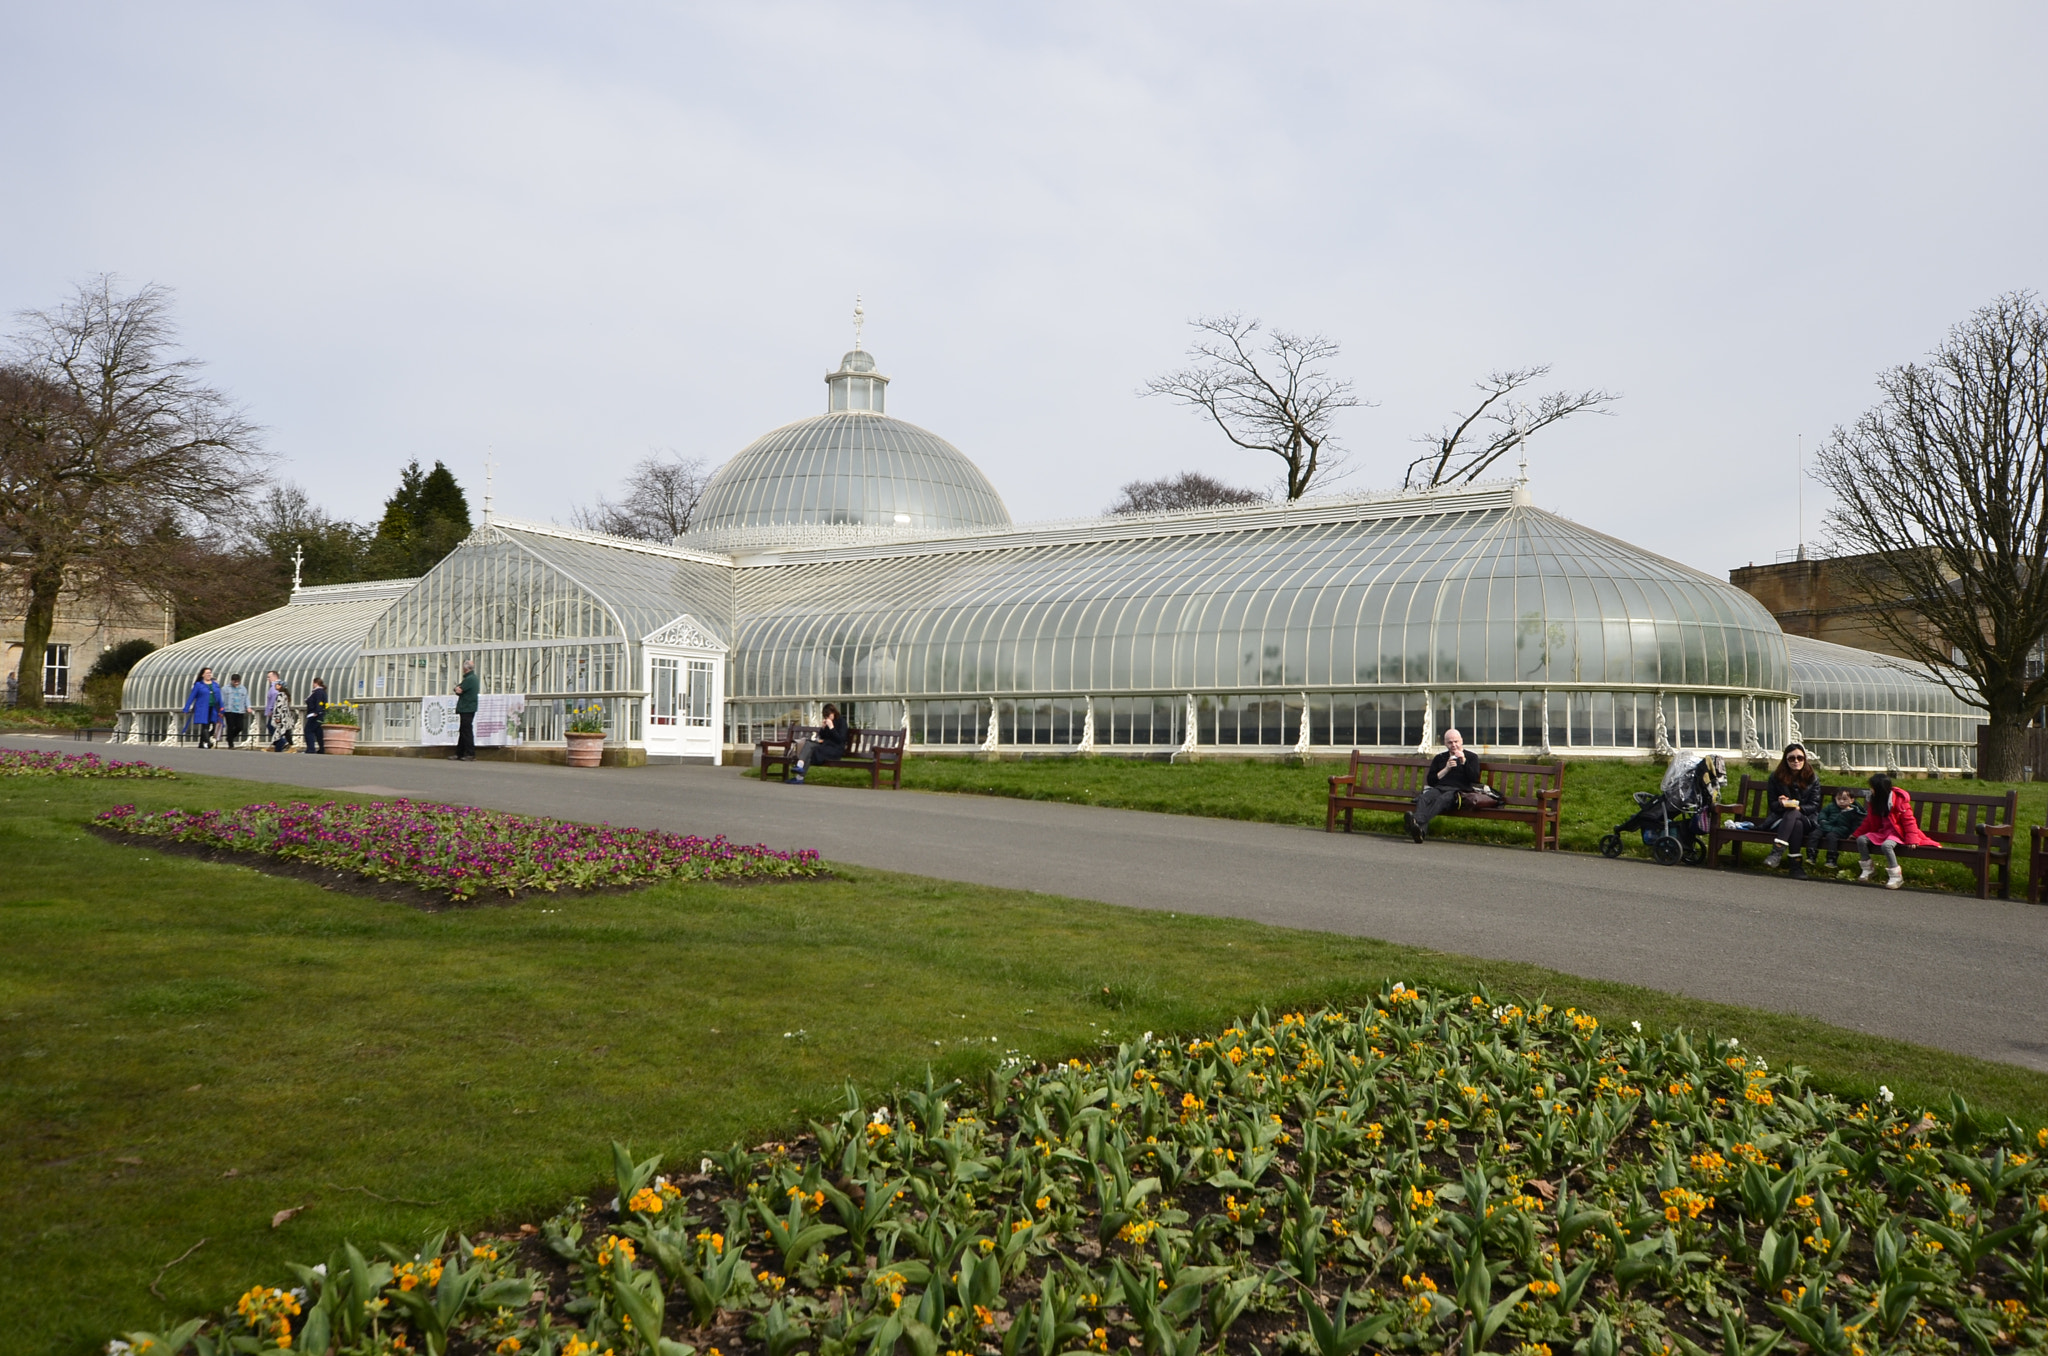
{"type": "Point", "coordinates": [856, 385]}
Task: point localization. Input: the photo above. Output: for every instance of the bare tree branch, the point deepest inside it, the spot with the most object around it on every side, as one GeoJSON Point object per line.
{"type": "Point", "coordinates": [108, 441]}
{"type": "Point", "coordinates": [1942, 490]}
{"type": "Point", "coordinates": [660, 498]}
{"type": "Point", "coordinates": [1286, 411]}
{"type": "Point", "coordinates": [1189, 489]}
{"type": "Point", "coordinates": [1463, 451]}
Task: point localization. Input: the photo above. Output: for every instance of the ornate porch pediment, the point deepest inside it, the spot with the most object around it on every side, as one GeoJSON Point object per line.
{"type": "Point", "coordinates": [687, 633]}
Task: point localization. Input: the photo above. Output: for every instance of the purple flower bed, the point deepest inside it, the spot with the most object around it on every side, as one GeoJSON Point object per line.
{"type": "Point", "coordinates": [18, 763]}
{"type": "Point", "coordinates": [461, 849]}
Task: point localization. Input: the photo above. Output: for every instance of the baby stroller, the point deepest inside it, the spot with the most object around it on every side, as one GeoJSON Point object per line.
{"type": "Point", "coordinates": [1672, 818]}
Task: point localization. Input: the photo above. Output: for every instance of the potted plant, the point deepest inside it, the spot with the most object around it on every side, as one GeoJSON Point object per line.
{"type": "Point", "coordinates": [339, 727]}
{"type": "Point", "coordinates": [586, 735]}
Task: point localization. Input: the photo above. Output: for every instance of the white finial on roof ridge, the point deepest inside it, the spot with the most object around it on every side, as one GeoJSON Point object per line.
{"type": "Point", "coordinates": [859, 318]}
{"type": "Point", "coordinates": [489, 483]}
{"type": "Point", "coordinates": [298, 564]}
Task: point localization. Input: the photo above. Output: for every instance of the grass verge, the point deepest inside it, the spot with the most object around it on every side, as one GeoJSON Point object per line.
{"type": "Point", "coordinates": [188, 1048]}
{"type": "Point", "coordinates": [1598, 796]}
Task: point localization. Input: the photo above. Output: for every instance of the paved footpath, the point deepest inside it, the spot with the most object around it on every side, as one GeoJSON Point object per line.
{"type": "Point", "coordinates": [1940, 970]}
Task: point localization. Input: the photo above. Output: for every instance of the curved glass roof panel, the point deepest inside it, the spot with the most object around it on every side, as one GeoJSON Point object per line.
{"type": "Point", "coordinates": [1480, 590]}
{"type": "Point", "coordinates": [316, 635]}
{"type": "Point", "coordinates": [518, 583]}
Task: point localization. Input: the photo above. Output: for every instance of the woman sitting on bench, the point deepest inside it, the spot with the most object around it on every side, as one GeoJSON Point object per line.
{"type": "Point", "coordinates": [1791, 803]}
{"type": "Point", "coordinates": [827, 746]}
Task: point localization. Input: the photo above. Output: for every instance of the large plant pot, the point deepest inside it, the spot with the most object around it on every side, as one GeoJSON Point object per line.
{"type": "Point", "coordinates": [339, 738]}
{"type": "Point", "coordinates": [585, 750]}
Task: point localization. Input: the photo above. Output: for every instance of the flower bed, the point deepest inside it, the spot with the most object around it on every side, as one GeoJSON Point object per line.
{"type": "Point", "coordinates": [460, 849]}
{"type": "Point", "coordinates": [1433, 1172]}
{"type": "Point", "coordinates": [18, 763]}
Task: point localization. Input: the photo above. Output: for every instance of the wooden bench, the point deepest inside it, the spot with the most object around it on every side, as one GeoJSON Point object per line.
{"type": "Point", "coordinates": [874, 750]}
{"type": "Point", "coordinates": [1971, 831]}
{"type": "Point", "coordinates": [1390, 782]}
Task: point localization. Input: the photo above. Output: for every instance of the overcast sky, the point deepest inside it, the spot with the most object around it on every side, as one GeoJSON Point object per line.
{"type": "Point", "coordinates": [572, 234]}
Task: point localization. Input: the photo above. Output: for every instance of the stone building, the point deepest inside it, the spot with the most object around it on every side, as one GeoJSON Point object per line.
{"type": "Point", "coordinates": [87, 622]}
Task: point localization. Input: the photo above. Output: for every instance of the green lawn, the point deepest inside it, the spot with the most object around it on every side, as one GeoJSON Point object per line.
{"type": "Point", "coordinates": [1597, 797]}
{"type": "Point", "coordinates": [187, 1048]}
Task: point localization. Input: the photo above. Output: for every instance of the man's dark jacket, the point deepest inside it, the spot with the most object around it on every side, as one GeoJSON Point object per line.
{"type": "Point", "coordinates": [465, 701]}
{"type": "Point", "coordinates": [1464, 777]}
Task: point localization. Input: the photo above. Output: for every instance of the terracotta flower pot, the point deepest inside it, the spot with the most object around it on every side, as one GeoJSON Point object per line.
{"type": "Point", "coordinates": [585, 750]}
{"type": "Point", "coordinates": [339, 738]}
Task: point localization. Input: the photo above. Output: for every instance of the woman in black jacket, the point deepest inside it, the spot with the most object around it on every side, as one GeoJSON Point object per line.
{"type": "Point", "coordinates": [1791, 805]}
{"type": "Point", "coordinates": [828, 745]}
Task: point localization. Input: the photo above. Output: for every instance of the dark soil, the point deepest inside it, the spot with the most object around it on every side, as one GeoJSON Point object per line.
{"type": "Point", "coordinates": [395, 892]}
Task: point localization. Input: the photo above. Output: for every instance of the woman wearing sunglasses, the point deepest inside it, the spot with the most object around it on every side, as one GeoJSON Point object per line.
{"type": "Point", "coordinates": [1793, 804]}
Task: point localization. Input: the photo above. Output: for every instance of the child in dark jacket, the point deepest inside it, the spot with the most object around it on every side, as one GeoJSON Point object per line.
{"type": "Point", "coordinates": [1838, 822]}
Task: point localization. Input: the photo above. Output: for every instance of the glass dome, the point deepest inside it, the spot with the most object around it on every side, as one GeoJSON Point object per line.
{"type": "Point", "coordinates": [1872, 712]}
{"type": "Point", "coordinates": [850, 474]}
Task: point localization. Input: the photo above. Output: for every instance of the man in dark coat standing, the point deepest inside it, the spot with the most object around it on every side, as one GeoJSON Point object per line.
{"type": "Point", "coordinates": [1452, 773]}
{"type": "Point", "coordinates": [465, 711]}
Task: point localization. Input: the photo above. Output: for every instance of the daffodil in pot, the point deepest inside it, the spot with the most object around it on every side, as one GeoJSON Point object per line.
{"type": "Point", "coordinates": [339, 727]}
{"type": "Point", "coordinates": [585, 734]}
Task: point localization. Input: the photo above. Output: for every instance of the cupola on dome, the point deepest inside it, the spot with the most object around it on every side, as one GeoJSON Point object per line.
{"type": "Point", "coordinates": [852, 473]}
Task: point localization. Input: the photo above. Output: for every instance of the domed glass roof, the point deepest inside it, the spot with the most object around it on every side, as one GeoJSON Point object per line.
{"type": "Point", "coordinates": [853, 471]}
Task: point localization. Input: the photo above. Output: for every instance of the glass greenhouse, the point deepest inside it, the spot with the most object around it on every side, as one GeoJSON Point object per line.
{"type": "Point", "coordinates": [857, 559]}
{"type": "Point", "coordinates": [316, 635]}
{"type": "Point", "coordinates": [1872, 712]}
{"type": "Point", "coordinates": [564, 619]}
{"type": "Point", "coordinates": [1363, 621]}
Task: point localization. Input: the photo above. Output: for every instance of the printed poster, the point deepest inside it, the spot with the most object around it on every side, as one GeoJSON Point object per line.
{"type": "Point", "coordinates": [499, 718]}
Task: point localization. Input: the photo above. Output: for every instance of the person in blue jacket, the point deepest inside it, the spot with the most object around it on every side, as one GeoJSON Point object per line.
{"type": "Point", "coordinates": [202, 707]}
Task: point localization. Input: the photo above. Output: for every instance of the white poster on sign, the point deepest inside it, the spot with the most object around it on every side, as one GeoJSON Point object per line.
{"type": "Point", "coordinates": [438, 721]}
{"type": "Point", "coordinates": [499, 717]}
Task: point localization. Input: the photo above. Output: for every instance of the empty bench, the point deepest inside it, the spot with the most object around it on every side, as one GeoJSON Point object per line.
{"type": "Point", "coordinates": [1531, 792]}
{"type": "Point", "coordinates": [1975, 832]}
{"type": "Point", "coordinates": [875, 750]}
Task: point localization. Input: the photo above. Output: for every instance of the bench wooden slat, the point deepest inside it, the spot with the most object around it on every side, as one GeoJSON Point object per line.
{"type": "Point", "coordinates": [1391, 782]}
{"type": "Point", "coordinates": [1971, 831]}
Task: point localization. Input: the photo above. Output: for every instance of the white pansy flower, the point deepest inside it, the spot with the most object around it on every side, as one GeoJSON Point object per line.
{"type": "Point", "coordinates": [1885, 1093]}
{"type": "Point", "coordinates": [704, 1165]}
{"type": "Point", "coordinates": [1638, 1026]}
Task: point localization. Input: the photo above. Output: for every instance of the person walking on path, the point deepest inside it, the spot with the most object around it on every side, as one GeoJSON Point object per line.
{"type": "Point", "coordinates": [465, 711]}
{"type": "Point", "coordinates": [234, 708]}
{"type": "Point", "coordinates": [1453, 776]}
{"type": "Point", "coordinates": [202, 707]}
{"type": "Point", "coordinates": [316, 714]}
{"type": "Point", "coordinates": [284, 722]}
{"type": "Point", "coordinates": [272, 685]}
{"type": "Point", "coordinates": [1888, 825]}
{"type": "Point", "coordinates": [1792, 801]}
{"type": "Point", "coordinates": [827, 746]}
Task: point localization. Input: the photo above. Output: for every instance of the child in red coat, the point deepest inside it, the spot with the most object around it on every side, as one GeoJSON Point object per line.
{"type": "Point", "coordinates": [1887, 826]}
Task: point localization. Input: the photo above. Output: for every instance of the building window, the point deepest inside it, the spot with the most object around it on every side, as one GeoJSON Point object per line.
{"type": "Point", "coordinates": [661, 702]}
{"type": "Point", "coordinates": [700, 693]}
{"type": "Point", "coordinates": [56, 670]}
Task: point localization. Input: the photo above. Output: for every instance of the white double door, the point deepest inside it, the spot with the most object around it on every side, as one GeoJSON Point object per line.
{"type": "Point", "coordinates": [685, 704]}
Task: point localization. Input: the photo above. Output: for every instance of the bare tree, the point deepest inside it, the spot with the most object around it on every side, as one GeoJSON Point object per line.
{"type": "Point", "coordinates": [1284, 407]}
{"type": "Point", "coordinates": [1462, 452]}
{"type": "Point", "coordinates": [106, 438]}
{"type": "Point", "coordinates": [660, 497]}
{"type": "Point", "coordinates": [1942, 490]}
{"type": "Point", "coordinates": [1189, 489]}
